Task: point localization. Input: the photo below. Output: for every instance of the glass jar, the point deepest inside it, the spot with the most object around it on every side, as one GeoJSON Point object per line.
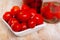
{"type": "Point", "coordinates": [51, 12]}
{"type": "Point", "coordinates": [36, 4]}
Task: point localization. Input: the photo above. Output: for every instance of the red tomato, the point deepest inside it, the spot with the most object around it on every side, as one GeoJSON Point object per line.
{"type": "Point", "coordinates": [57, 15]}
{"type": "Point", "coordinates": [25, 8]}
{"type": "Point", "coordinates": [32, 12]}
{"type": "Point", "coordinates": [23, 16]}
{"type": "Point", "coordinates": [49, 15]}
{"type": "Point", "coordinates": [14, 10]}
{"type": "Point", "coordinates": [51, 4]}
{"type": "Point", "coordinates": [7, 16]}
{"type": "Point", "coordinates": [39, 19]}
{"type": "Point", "coordinates": [57, 8]}
{"type": "Point", "coordinates": [16, 27]}
{"type": "Point", "coordinates": [47, 12]}
{"type": "Point", "coordinates": [24, 26]}
{"type": "Point", "coordinates": [57, 12]}
{"type": "Point", "coordinates": [45, 9]}
{"type": "Point", "coordinates": [31, 23]}
{"type": "Point", "coordinates": [12, 21]}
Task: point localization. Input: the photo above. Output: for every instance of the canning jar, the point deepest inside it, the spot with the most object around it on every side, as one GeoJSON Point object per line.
{"type": "Point", "coordinates": [36, 4]}
{"type": "Point", "coordinates": [51, 11]}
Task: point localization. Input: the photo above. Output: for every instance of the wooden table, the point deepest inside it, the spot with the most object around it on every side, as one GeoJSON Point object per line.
{"type": "Point", "coordinates": [49, 32]}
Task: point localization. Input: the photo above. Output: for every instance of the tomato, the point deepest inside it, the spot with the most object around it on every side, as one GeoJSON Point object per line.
{"type": "Point", "coordinates": [16, 27]}
{"type": "Point", "coordinates": [32, 12]}
{"type": "Point", "coordinates": [57, 12]}
{"type": "Point", "coordinates": [57, 15]}
{"type": "Point", "coordinates": [57, 8]}
{"type": "Point", "coordinates": [25, 8]}
{"type": "Point", "coordinates": [12, 21]}
{"type": "Point", "coordinates": [31, 23]}
{"type": "Point", "coordinates": [45, 9]}
{"type": "Point", "coordinates": [23, 16]}
{"type": "Point", "coordinates": [24, 26]}
{"type": "Point", "coordinates": [49, 15]}
{"type": "Point", "coordinates": [47, 12]}
{"type": "Point", "coordinates": [7, 16]}
{"type": "Point", "coordinates": [39, 19]}
{"type": "Point", "coordinates": [15, 10]}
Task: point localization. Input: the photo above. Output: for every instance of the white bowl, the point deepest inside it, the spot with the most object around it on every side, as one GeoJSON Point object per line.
{"type": "Point", "coordinates": [27, 31]}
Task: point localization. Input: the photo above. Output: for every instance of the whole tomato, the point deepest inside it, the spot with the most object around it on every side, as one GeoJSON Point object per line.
{"type": "Point", "coordinates": [15, 10]}
{"type": "Point", "coordinates": [16, 27]}
{"type": "Point", "coordinates": [23, 16]}
{"type": "Point", "coordinates": [49, 15]}
{"type": "Point", "coordinates": [7, 16]}
{"type": "Point", "coordinates": [31, 23]}
{"type": "Point", "coordinates": [12, 21]}
{"type": "Point", "coordinates": [39, 19]}
{"type": "Point", "coordinates": [45, 9]}
{"type": "Point", "coordinates": [32, 12]}
{"type": "Point", "coordinates": [47, 12]}
{"type": "Point", "coordinates": [25, 7]}
{"type": "Point", "coordinates": [24, 26]}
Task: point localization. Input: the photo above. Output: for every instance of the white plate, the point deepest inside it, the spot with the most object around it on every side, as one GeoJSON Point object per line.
{"type": "Point", "coordinates": [27, 31]}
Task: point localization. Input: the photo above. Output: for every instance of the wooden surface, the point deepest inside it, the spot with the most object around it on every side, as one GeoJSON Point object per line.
{"type": "Point", "coordinates": [49, 32]}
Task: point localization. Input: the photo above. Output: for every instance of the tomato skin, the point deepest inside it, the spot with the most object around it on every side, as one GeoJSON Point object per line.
{"type": "Point", "coordinates": [24, 26]}
{"type": "Point", "coordinates": [15, 10]}
{"type": "Point", "coordinates": [12, 21]}
{"type": "Point", "coordinates": [23, 16]}
{"type": "Point", "coordinates": [39, 19]}
{"type": "Point", "coordinates": [49, 15]}
{"type": "Point", "coordinates": [32, 12]}
{"type": "Point", "coordinates": [45, 9]}
{"type": "Point", "coordinates": [31, 23]}
{"type": "Point", "coordinates": [25, 8]}
{"type": "Point", "coordinates": [47, 12]}
{"type": "Point", "coordinates": [57, 12]}
{"type": "Point", "coordinates": [7, 16]}
{"type": "Point", "coordinates": [16, 27]}
{"type": "Point", "coordinates": [57, 15]}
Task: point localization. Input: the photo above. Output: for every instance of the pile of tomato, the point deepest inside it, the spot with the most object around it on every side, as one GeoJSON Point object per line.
{"type": "Point", "coordinates": [25, 17]}
{"type": "Point", "coordinates": [22, 18]}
